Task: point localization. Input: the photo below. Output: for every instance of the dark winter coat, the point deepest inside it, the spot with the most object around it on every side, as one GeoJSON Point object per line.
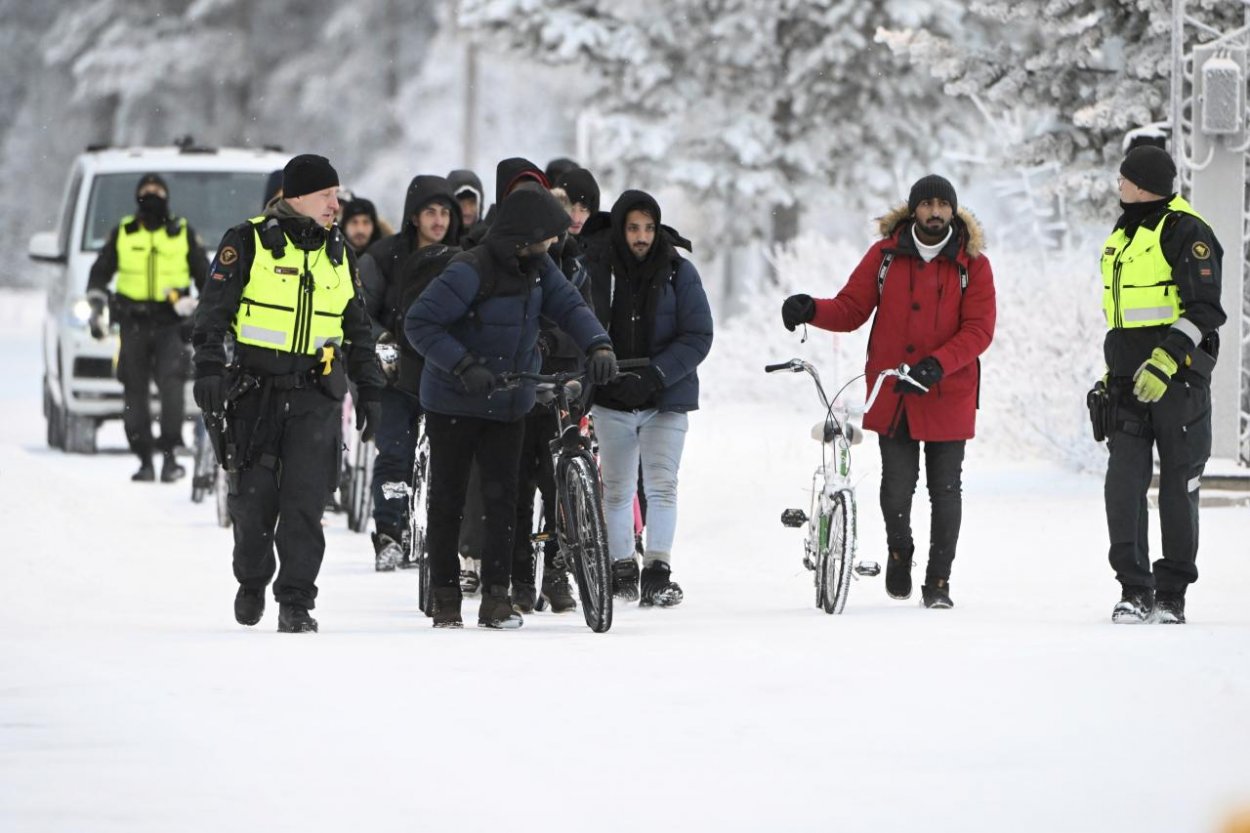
{"type": "Point", "coordinates": [461, 179]}
{"type": "Point", "coordinates": [921, 312]}
{"type": "Point", "coordinates": [445, 325]}
{"type": "Point", "coordinates": [656, 309]}
{"type": "Point", "coordinates": [361, 206]}
{"type": "Point", "coordinates": [560, 352]}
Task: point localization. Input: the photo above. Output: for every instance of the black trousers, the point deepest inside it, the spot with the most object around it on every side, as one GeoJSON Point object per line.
{"type": "Point", "coordinates": [1179, 426]}
{"type": "Point", "coordinates": [900, 470]}
{"type": "Point", "coordinates": [280, 497]}
{"type": "Point", "coordinates": [537, 471]}
{"type": "Point", "coordinates": [456, 443]}
{"type": "Point", "coordinates": [152, 351]}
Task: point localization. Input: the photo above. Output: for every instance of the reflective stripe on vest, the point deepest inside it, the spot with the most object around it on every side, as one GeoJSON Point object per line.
{"type": "Point", "coordinates": [1137, 285]}
{"type": "Point", "coordinates": [294, 303]}
{"type": "Point", "coordinates": [151, 264]}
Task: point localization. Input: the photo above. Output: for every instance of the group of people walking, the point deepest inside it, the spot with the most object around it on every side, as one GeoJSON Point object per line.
{"type": "Point", "coordinates": [296, 298]}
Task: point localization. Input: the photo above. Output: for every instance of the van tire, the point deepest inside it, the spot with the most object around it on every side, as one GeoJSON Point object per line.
{"type": "Point", "coordinates": [79, 436]}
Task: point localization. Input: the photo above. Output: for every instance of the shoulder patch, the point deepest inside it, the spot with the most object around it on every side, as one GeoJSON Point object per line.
{"type": "Point", "coordinates": [227, 256]}
{"type": "Point", "coordinates": [1201, 251]}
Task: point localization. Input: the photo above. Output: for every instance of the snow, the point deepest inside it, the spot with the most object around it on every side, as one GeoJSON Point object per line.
{"type": "Point", "coordinates": [132, 702]}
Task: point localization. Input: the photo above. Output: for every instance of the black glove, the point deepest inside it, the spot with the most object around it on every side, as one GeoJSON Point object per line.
{"type": "Point", "coordinates": [635, 389]}
{"type": "Point", "coordinates": [601, 366]}
{"type": "Point", "coordinates": [95, 321]}
{"type": "Point", "coordinates": [797, 309]}
{"type": "Point", "coordinates": [368, 415]}
{"type": "Point", "coordinates": [476, 377]}
{"type": "Point", "coordinates": [927, 372]}
{"type": "Point", "coordinates": [210, 394]}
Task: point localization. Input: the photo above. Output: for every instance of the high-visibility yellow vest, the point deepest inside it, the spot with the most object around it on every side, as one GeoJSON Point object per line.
{"type": "Point", "coordinates": [152, 263]}
{"type": "Point", "coordinates": [1137, 285]}
{"type": "Point", "coordinates": [293, 303]}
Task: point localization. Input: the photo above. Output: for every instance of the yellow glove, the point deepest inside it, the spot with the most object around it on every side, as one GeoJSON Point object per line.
{"type": "Point", "coordinates": [1151, 380]}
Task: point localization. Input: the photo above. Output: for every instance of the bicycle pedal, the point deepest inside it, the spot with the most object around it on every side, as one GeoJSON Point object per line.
{"type": "Point", "coordinates": [793, 518]}
{"type": "Point", "coordinates": [867, 568]}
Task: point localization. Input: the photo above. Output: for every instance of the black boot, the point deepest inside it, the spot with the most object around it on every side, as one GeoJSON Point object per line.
{"type": "Point", "coordinates": [1134, 606]}
{"type": "Point", "coordinates": [898, 573]}
{"type": "Point", "coordinates": [524, 597]}
{"type": "Point", "coordinates": [294, 618]}
{"type": "Point", "coordinates": [170, 470]}
{"type": "Point", "coordinates": [936, 593]}
{"type": "Point", "coordinates": [146, 472]}
{"type": "Point", "coordinates": [625, 579]}
{"type": "Point", "coordinates": [1169, 608]}
{"type": "Point", "coordinates": [249, 606]}
{"type": "Point", "coordinates": [658, 587]}
{"type": "Point", "coordinates": [556, 590]}
{"type": "Point", "coordinates": [388, 549]}
{"type": "Point", "coordinates": [496, 610]}
{"type": "Point", "coordinates": [447, 608]}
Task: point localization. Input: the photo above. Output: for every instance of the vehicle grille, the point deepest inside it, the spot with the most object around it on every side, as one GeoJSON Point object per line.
{"type": "Point", "coordinates": [93, 368]}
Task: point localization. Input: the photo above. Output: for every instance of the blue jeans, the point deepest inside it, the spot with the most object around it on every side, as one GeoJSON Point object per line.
{"type": "Point", "coordinates": [396, 441]}
{"type": "Point", "coordinates": [658, 437]}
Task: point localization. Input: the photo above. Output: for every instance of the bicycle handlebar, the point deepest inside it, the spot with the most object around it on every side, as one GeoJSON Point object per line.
{"type": "Point", "coordinates": [796, 365]}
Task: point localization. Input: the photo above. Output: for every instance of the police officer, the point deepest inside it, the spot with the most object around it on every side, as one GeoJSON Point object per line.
{"type": "Point", "coordinates": [1161, 296]}
{"type": "Point", "coordinates": [284, 287]}
{"type": "Point", "coordinates": [156, 257]}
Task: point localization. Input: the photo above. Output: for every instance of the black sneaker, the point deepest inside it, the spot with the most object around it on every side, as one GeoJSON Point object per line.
{"type": "Point", "coordinates": [936, 594]}
{"type": "Point", "coordinates": [658, 587]}
{"type": "Point", "coordinates": [145, 474]}
{"type": "Point", "coordinates": [495, 611]}
{"type": "Point", "coordinates": [388, 551]}
{"type": "Point", "coordinates": [170, 470]}
{"type": "Point", "coordinates": [556, 590]}
{"type": "Point", "coordinates": [524, 597]}
{"type": "Point", "coordinates": [898, 574]}
{"type": "Point", "coordinates": [294, 618]}
{"type": "Point", "coordinates": [625, 579]}
{"type": "Point", "coordinates": [249, 606]}
{"type": "Point", "coordinates": [1134, 606]}
{"type": "Point", "coordinates": [447, 608]}
{"type": "Point", "coordinates": [1169, 609]}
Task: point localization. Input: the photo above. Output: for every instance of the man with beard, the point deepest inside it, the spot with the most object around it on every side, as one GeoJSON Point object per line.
{"type": "Point", "coordinates": [361, 226]}
{"type": "Point", "coordinates": [431, 223]}
{"type": "Point", "coordinates": [1161, 296]}
{"type": "Point", "coordinates": [156, 257]}
{"type": "Point", "coordinates": [652, 303]}
{"type": "Point", "coordinates": [933, 292]}
{"type": "Point", "coordinates": [467, 341]}
{"type": "Point", "coordinates": [467, 188]}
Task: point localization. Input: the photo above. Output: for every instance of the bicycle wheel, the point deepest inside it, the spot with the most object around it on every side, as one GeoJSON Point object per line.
{"type": "Point", "coordinates": [584, 541]}
{"type": "Point", "coordinates": [205, 461]}
{"type": "Point", "coordinates": [836, 557]}
{"type": "Point", "coordinates": [221, 490]}
{"type": "Point", "coordinates": [360, 497]}
{"type": "Point", "coordinates": [418, 513]}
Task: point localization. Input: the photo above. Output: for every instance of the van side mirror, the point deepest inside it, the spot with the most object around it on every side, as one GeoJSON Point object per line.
{"type": "Point", "coordinates": [45, 246]}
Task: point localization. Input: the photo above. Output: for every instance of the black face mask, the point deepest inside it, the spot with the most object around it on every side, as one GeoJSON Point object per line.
{"type": "Point", "coordinates": [154, 206]}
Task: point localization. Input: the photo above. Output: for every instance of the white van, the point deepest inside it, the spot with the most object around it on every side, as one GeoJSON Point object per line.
{"type": "Point", "coordinates": [214, 188]}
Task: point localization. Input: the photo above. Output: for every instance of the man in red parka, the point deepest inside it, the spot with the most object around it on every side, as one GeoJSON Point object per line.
{"type": "Point", "coordinates": [933, 292]}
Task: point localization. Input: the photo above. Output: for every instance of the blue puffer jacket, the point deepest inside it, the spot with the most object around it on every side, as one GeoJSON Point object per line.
{"type": "Point", "coordinates": [445, 326]}
{"type": "Point", "coordinates": [681, 338]}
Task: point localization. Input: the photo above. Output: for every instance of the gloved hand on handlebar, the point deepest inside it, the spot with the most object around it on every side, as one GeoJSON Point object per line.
{"type": "Point", "coordinates": [476, 377]}
{"type": "Point", "coordinates": [927, 372]}
{"type": "Point", "coordinates": [796, 310]}
{"type": "Point", "coordinates": [601, 365]}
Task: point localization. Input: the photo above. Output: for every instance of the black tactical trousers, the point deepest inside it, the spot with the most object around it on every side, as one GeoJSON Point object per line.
{"type": "Point", "coordinates": [294, 466]}
{"type": "Point", "coordinates": [152, 351]}
{"type": "Point", "coordinates": [537, 471]}
{"type": "Point", "coordinates": [456, 443]}
{"type": "Point", "coordinates": [900, 470]}
{"type": "Point", "coordinates": [1179, 425]}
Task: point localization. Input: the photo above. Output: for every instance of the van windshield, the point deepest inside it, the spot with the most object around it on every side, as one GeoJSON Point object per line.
{"type": "Point", "coordinates": [212, 201]}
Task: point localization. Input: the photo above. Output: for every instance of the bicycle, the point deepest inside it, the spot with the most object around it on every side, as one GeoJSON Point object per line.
{"type": "Point", "coordinates": [207, 477]}
{"type": "Point", "coordinates": [416, 550]}
{"type": "Point", "coordinates": [829, 550]}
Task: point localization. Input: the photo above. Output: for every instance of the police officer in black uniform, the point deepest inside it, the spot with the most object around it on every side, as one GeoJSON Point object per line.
{"type": "Point", "coordinates": [1161, 297]}
{"type": "Point", "coordinates": [284, 289]}
{"type": "Point", "coordinates": [156, 258]}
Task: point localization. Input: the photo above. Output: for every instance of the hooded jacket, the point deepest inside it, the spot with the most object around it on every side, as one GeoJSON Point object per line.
{"type": "Point", "coordinates": [446, 326]}
{"type": "Point", "coordinates": [921, 311]}
{"type": "Point", "coordinates": [508, 174]}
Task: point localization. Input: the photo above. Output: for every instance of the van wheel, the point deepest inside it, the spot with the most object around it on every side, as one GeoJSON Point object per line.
{"type": "Point", "coordinates": [55, 418]}
{"type": "Point", "coordinates": [79, 434]}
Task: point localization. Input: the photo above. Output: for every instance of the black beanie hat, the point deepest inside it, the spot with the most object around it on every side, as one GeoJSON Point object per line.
{"type": "Point", "coordinates": [307, 174]}
{"type": "Point", "coordinates": [930, 187]}
{"type": "Point", "coordinates": [580, 186]}
{"type": "Point", "coordinates": [359, 206]}
{"type": "Point", "coordinates": [1149, 168]}
{"type": "Point", "coordinates": [150, 179]}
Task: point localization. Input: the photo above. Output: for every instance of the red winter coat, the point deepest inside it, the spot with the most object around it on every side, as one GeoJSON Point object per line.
{"type": "Point", "coordinates": [921, 312]}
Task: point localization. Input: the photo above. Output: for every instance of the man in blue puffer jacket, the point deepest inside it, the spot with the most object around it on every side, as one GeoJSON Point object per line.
{"type": "Point", "coordinates": [467, 341]}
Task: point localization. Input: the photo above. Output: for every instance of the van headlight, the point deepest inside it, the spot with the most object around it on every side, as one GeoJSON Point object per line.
{"type": "Point", "coordinates": [81, 311]}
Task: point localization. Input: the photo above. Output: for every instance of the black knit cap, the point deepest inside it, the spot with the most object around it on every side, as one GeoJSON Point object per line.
{"type": "Point", "coordinates": [930, 187]}
{"type": "Point", "coordinates": [580, 186]}
{"type": "Point", "coordinates": [1149, 168]}
{"type": "Point", "coordinates": [307, 174]}
{"type": "Point", "coordinates": [150, 179]}
{"type": "Point", "coordinates": [359, 206]}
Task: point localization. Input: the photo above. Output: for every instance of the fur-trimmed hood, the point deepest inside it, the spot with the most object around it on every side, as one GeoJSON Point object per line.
{"type": "Point", "coordinates": [966, 226]}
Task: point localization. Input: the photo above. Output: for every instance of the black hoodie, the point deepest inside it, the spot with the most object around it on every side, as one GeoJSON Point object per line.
{"type": "Point", "coordinates": [524, 218]}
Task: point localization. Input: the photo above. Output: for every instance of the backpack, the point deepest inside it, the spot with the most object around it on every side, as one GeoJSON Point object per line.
{"type": "Point", "coordinates": [887, 258]}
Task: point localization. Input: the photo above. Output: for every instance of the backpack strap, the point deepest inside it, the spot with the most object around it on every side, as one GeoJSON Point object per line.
{"type": "Point", "coordinates": [888, 258]}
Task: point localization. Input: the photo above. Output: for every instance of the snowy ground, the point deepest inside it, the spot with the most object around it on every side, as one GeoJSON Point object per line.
{"type": "Point", "coordinates": [131, 701]}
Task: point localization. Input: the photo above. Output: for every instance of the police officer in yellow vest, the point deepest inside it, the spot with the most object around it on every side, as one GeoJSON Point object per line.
{"type": "Point", "coordinates": [1161, 296]}
{"type": "Point", "coordinates": [156, 258]}
{"type": "Point", "coordinates": [285, 291]}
